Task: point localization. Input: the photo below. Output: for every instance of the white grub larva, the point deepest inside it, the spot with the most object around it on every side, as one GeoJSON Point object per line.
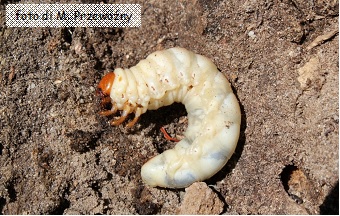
{"type": "Point", "coordinates": [214, 118]}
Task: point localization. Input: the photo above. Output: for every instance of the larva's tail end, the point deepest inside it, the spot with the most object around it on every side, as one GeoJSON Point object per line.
{"type": "Point", "coordinates": [147, 176]}
{"type": "Point", "coordinates": [153, 173]}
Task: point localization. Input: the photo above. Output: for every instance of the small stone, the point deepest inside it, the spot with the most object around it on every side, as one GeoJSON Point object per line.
{"type": "Point", "coordinates": [200, 199]}
{"type": "Point", "coordinates": [309, 73]}
{"type": "Point", "coordinates": [251, 34]}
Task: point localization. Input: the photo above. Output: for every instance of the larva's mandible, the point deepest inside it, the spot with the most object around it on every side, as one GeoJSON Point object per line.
{"type": "Point", "coordinates": [214, 118]}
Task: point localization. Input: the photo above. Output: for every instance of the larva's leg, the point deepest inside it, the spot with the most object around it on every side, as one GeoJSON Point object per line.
{"type": "Point", "coordinates": [112, 111]}
{"type": "Point", "coordinates": [137, 115]}
{"type": "Point", "coordinates": [108, 112]}
{"type": "Point", "coordinates": [118, 121]}
{"type": "Point", "coordinates": [167, 136]}
{"type": "Point", "coordinates": [105, 101]}
{"type": "Point", "coordinates": [126, 112]}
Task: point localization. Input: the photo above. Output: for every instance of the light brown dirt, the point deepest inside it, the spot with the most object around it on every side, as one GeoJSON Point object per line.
{"type": "Point", "coordinates": [58, 156]}
{"type": "Point", "coordinates": [199, 199]}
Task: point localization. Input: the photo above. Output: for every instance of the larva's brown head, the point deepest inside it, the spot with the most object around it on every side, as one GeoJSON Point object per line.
{"type": "Point", "coordinates": [106, 83]}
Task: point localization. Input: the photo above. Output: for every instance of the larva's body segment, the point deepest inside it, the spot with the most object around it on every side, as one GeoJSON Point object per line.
{"type": "Point", "coordinates": [214, 118]}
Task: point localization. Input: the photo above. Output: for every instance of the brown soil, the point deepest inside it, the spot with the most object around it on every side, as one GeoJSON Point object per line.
{"type": "Point", "coordinates": [58, 156]}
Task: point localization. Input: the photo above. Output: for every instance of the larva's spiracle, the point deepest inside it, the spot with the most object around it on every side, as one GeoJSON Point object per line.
{"type": "Point", "coordinates": [179, 75]}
